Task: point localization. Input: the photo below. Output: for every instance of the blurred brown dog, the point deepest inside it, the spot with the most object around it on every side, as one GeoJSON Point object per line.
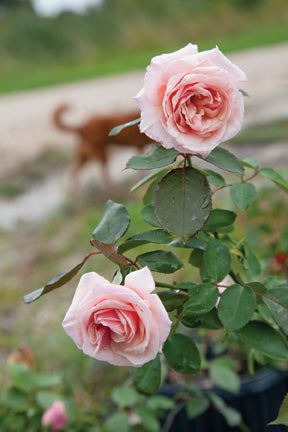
{"type": "Point", "coordinates": [94, 140]}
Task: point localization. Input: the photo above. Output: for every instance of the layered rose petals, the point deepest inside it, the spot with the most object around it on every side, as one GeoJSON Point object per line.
{"type": "Point", "coordinates": [123, 325]}
{"type": "Point", "coordinates": [191, 101]}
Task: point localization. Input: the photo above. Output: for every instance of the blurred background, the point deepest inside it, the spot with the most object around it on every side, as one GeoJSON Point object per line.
{"type": "Point", "coordinates": [92, 55]}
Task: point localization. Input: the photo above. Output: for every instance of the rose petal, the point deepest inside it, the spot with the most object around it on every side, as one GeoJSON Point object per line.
{"type": "Point", "coordinates": [124, 325]}
{"type": "Point", "coordinates": [191, 101]}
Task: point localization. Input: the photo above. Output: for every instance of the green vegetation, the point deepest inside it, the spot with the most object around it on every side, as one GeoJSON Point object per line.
{"type": "Point", "coordinates": [267, 133]}
{"type": "Point", "coordinates": [50, 160]}
{"type": "Point", "coordinates": [120, 36]}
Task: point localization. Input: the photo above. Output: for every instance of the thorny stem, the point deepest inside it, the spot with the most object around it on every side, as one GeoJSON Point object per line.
{"type": "Point", "coordinates": [187, 160]}
{"type": "Point", "coordinates": [256, 172]}
{"type": "Point", "coordinates": [176, 323]}
{"type": "Point", "coordinates": [171, 415]}
{"type": "Point", "coordinates": [92, 253]}
{"type": "Point", "coordinates": [220, 187]}
{"type": "Point", "coordinates": [133, 263]}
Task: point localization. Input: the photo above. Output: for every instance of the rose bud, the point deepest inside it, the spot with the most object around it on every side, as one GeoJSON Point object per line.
{"type": "Point", "coordinates": [55, 416]}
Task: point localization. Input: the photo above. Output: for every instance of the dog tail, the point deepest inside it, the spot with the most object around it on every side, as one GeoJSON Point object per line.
{"type": "Point", "coordinates": [58, 120]}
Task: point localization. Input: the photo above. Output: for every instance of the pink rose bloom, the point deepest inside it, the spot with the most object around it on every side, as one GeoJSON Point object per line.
{"type": "Point", "coordinates": [55, 416]}
{"type": "Point", "coordinates": [191, 100]}
{"type": "Point", "coordinates": [123, 325]}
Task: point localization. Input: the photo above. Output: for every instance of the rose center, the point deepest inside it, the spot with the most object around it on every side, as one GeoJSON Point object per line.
{"type": "Point", "coordinates": [195, 107]}
{"type": "Point", "coordinates": [110, 325]}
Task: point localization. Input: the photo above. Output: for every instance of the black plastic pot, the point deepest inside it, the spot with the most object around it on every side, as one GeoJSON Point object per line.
{"type": "Point", "coordinates": [258, 402]}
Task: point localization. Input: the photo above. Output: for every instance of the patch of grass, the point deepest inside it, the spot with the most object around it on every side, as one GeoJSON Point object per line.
{"type": "Point", "coordinates": [122, 36]}
{"type": "Point", "coordinates": [10, 189]}
{"type": "Point", "coordinates": [49, 161]}
{"type": "Point", "coordinates": [265, 133]}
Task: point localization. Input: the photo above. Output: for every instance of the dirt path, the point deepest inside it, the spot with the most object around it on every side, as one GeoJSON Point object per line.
{"type": "Point", "coordinates": [26, 127]}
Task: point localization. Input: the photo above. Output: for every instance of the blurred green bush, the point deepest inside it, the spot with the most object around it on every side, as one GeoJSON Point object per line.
{"type": "Point", "coordinates": [121, 35]}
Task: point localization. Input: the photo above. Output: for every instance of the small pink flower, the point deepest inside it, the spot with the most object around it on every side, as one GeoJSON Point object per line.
{"type": "Point", "coordinates": [191, 100]}
{"type": "Point", "coordinates": [55, 416]}
{"type": "Point", "coordinates": [123, 325]}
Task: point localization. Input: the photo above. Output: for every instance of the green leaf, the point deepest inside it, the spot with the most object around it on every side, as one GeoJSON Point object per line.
{"type": "Point", "coordinates": [15, 423]}
{"type": "Point", "coordinates": [282, 417]}
{"type": "Point", "coordinates": [192, 321]}
{"type": "Point", "coordinates": [20, 376]}
{"type": "Point", "coordinates": [196, 258]}
{"type": "Point", "coordinates": [46, 398]}
{"type": "Point", "coordinates": [148, 215]}
{"type": "Point", "coordinates": [276, 178]}
{"type": "Point", "coordinates": [117, 277]}
{"type": "Point", "coordinates": [59, 280]}
{"type": "Point", "coordinates": [219, 219]}
{"type": "Point", "coordinates": [160, 403]}
{"type": "Point", "coordinates": [117, 422]}
{"type": "Point", "coordinates": [259, 289]}
{"type": "Point", "coordinates": [250, 261]}
{"type": "Point", "coordinates": [214, 178]}
{"type": "Point", "coordinates": [262, 337]}
{"type": "Point", "coordinates": [224, 376]}
{"type": "Point", "coordinates": [190, 244]}
{"type": "Point", "coordinates": [182, 202]}
{"type": "Point", "coordinates": [157, 157]}
{"type": "Point", "coordinates": [46, 379]}
{"type": "Point", "coordinates": [277, 301]}
{"type": "Point", "coordinates": [202, 299]}
{"type": "Point", "coordinates": [242, 194]}
{"type": "Point", "coordinates": [217, 259]}
{"type": "Point", "coordinates": [236, 307]}
{"type": "Point", "coordinates": [14, 399]}
{"type": "Point", "coordinates": [147, 378]}
{"type": "Point", "coordinates": [232, 417]}
{"type": "Point", "coordinates": [182, 354]}
{"type": "Point", "coordinates": [130, 244]}
{"type": "Point", "coordinates": [149, 194]}
{"type": "Point", "coordinates": [148, 419]}
{"type": "Point", "coordinates": [225, 160]}
{"type": "Point", "coordinates": [160, 261]}
{"type": "Point", "coordinates": [158, 175]}
{"type": "Point", "coordinates": [124, 397]}
{"type": "Point", "coordinates": [184, 286]}
{"type": "Point", "coordinates": [172, 299]}
{"type": "Point", "coordinates": [117, 129]}
{"type": "Point", "coordinates": [114, 223]}
{"type": "Point", "coordinates": [274, 282]}
{"type": "Point", "coordinates": [250, 163]}
{"type": "Point", "coordinates": [158, 236]}
{"type": "Point", "coordinates": [211, 320]}
{"type": "Point", "coordinates": [196, 406]}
